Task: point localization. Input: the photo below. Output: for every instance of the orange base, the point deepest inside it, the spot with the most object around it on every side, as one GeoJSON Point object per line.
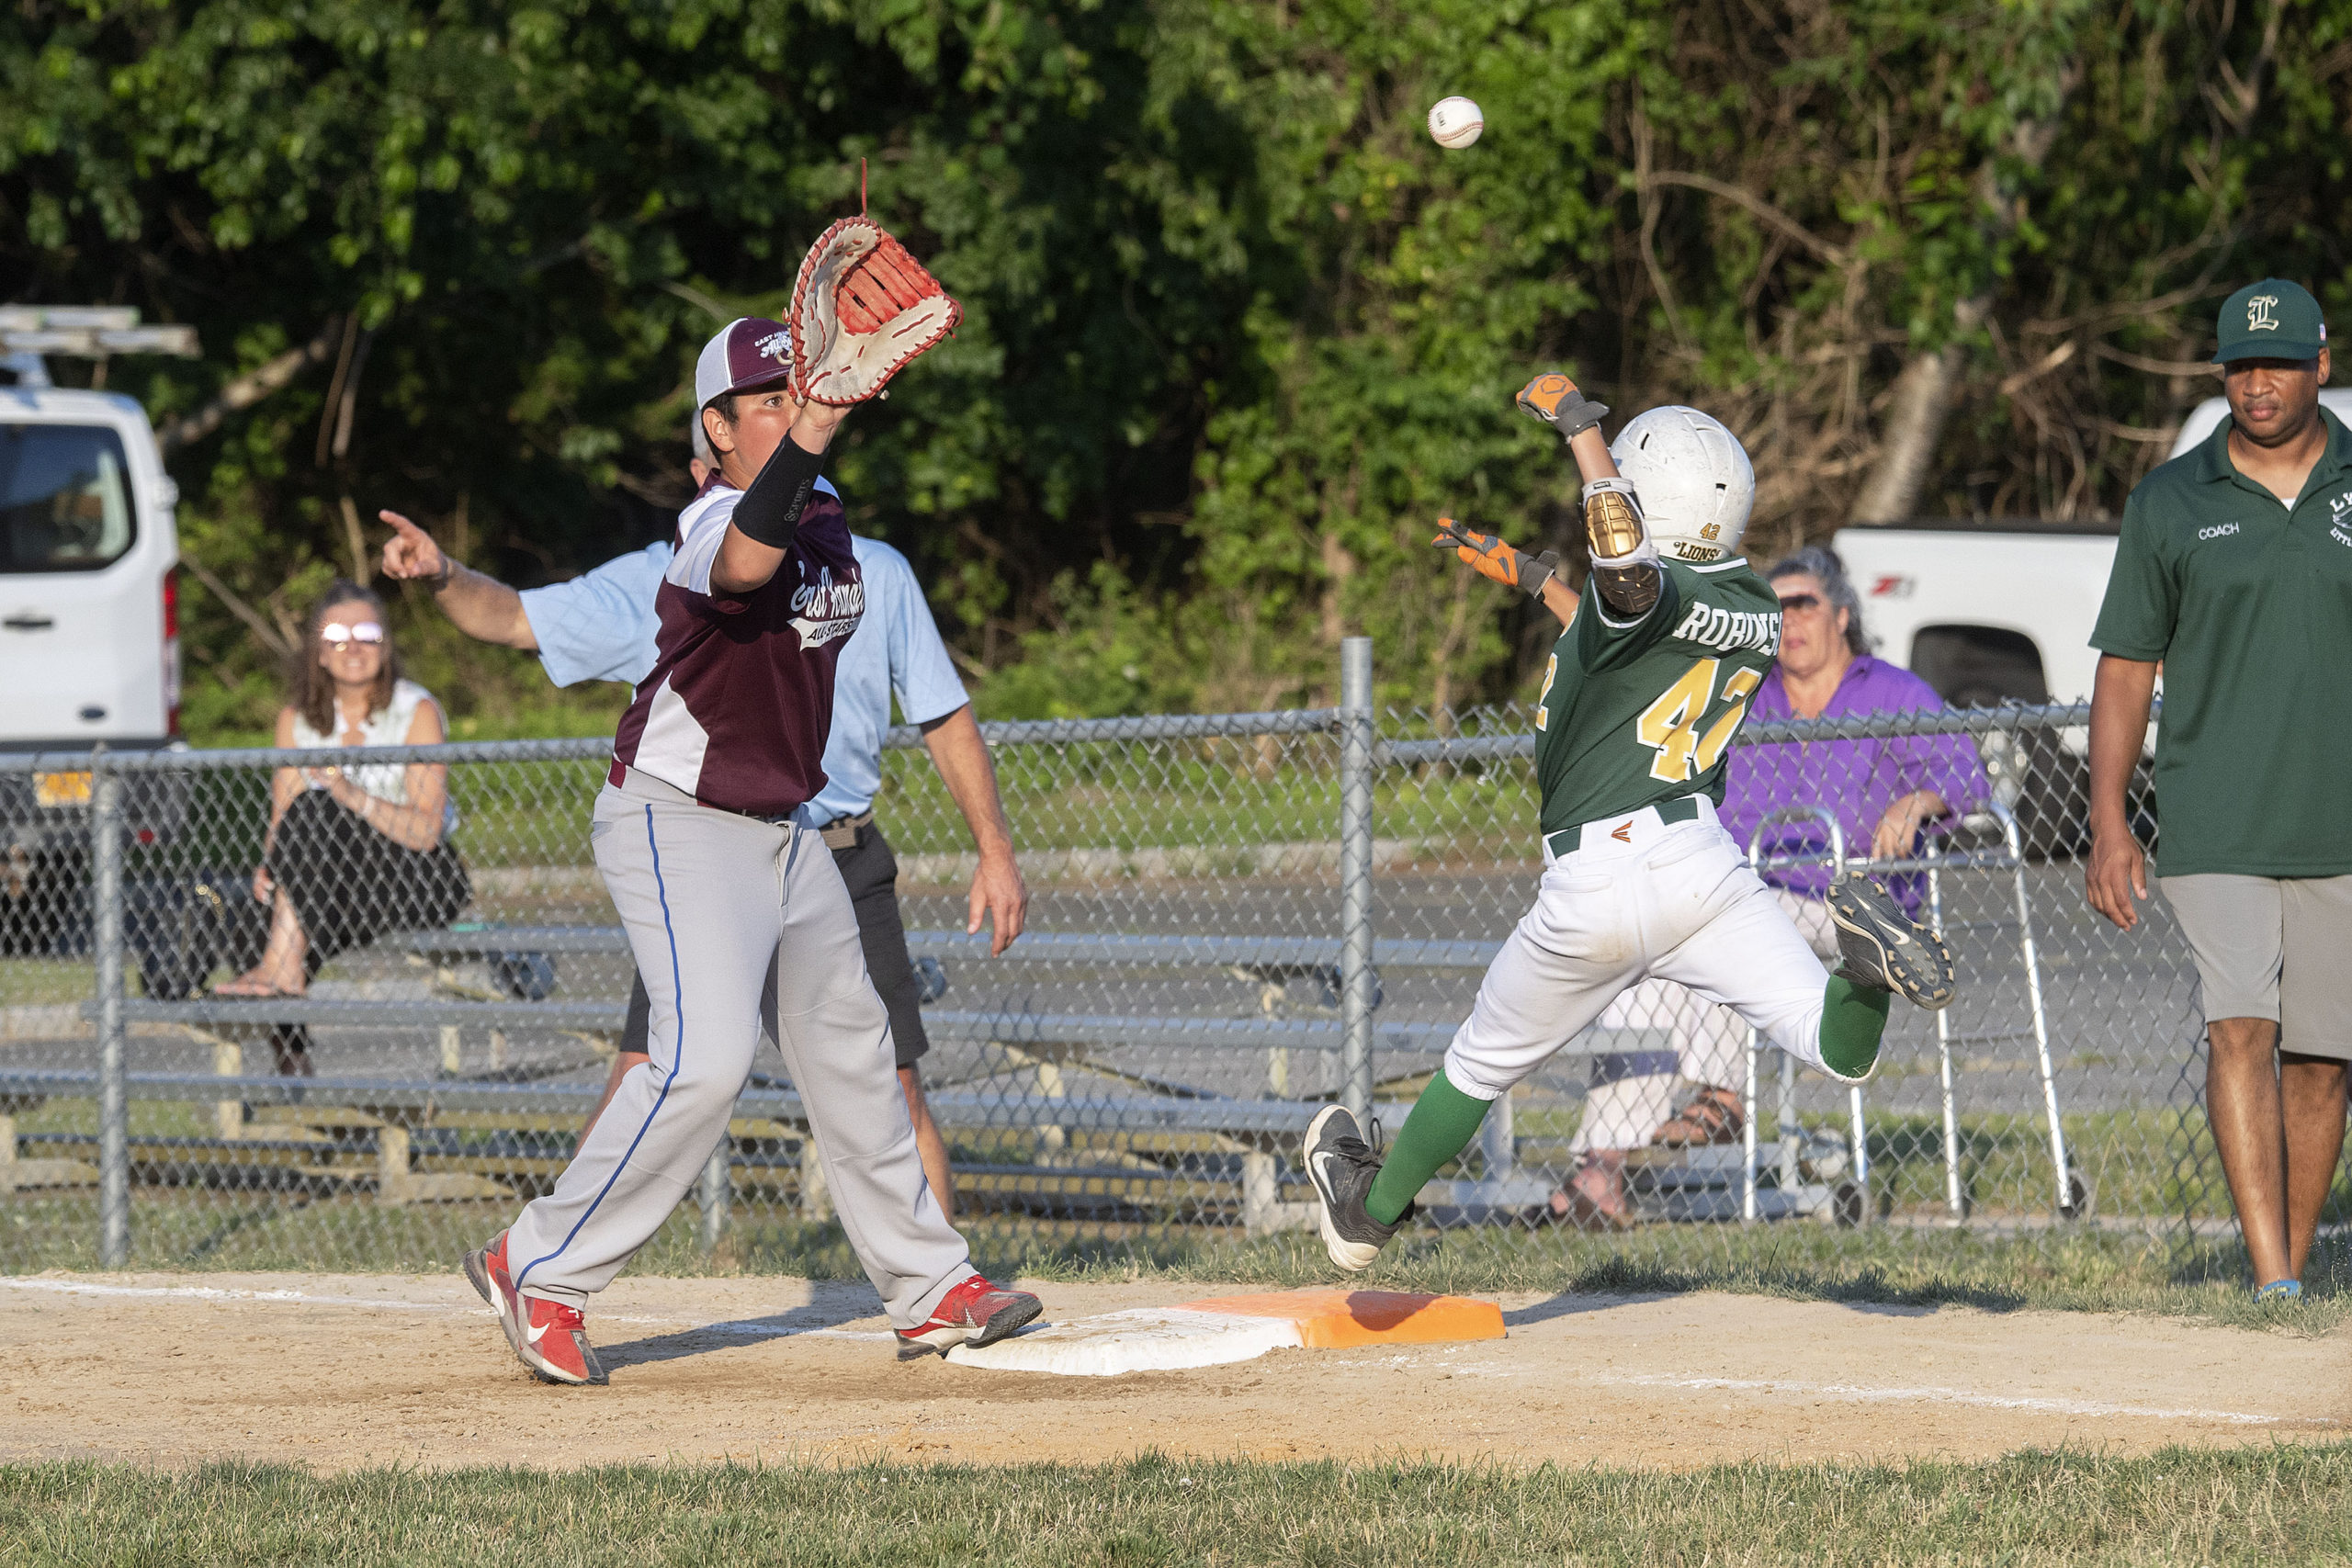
{"type": "Point", "coordinates": [1332, 1320]}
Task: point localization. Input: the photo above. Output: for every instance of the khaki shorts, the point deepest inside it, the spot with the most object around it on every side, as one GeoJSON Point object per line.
{"type": "Point", "coordinates": [2278, 948]}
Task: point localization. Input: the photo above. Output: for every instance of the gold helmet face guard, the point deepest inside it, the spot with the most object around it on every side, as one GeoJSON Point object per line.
{"type": "Point", "coordinates": [1624, 561]}
{"type": "Point", "coordinates": [1612, 519]}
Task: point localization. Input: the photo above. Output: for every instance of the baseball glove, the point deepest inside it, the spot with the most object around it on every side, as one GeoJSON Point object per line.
{"type": "Point", "coordinates": [1490, 557]}
{"type": "Point", "coordinates": [862, 307]}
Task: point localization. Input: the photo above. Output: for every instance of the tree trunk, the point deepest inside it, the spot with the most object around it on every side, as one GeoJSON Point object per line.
{"type": "Point", "coordinates": [1924, 394]}
{"type": "Point", "coordinates": [249, 388]}
{"type": "Point", "coordinates": [237, 606]}
{"type": "Point", "coordinates": [1929, 381]}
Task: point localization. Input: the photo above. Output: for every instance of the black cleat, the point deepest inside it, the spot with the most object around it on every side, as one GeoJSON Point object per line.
{"type": "Point", "coordinates": [1341, 1165]}
{"type": "Point", "coordinates": [1879, 945]}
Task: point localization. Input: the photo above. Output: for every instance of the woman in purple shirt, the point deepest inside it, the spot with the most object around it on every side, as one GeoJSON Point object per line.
{"type": "Point", "coordinates": [1883, 793]}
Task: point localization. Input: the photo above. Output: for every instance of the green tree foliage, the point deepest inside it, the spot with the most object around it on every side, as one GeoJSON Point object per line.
{"type": "Point", "coordinates": [1236, 332]}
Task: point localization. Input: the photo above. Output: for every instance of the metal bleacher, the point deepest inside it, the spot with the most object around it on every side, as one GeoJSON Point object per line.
{"type": "Point", "coordinates": [1268, 957]}
{"type": "Point", "coordinates": [400, 1139]}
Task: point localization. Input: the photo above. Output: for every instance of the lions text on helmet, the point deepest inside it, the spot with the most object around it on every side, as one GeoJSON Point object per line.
{"type": "Point", "coordinates": [1695, 483]}
{"type": "Point", "coordinates": [1682, 491]}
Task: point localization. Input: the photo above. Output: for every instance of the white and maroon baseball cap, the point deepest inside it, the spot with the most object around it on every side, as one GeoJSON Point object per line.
{"type": "Point", "coordinates": [750, 351]}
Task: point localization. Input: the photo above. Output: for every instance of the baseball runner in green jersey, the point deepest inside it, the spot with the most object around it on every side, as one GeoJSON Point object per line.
{"type": "Point", "coordinates": [1648, 683]}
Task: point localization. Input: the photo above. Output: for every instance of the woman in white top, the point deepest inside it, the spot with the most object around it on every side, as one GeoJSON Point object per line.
{"type": "Point", "coordinates": [351, 853]}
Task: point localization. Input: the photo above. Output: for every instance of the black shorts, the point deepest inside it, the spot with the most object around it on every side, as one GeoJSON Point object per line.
{"type": "Point", "coordinates": [871, 873]}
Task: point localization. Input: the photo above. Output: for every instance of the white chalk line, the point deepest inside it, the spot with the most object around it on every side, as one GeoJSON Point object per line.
{"type": "Point", "coordinates": [740, 1328]}
{"type": "Point", "coordinates": [1928, 1394]}
{"type": "Point", "coordinates": [215, 1294]}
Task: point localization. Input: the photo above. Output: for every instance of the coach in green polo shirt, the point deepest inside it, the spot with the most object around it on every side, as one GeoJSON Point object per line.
{"type": "Point", "coordinates": [2235, 573]}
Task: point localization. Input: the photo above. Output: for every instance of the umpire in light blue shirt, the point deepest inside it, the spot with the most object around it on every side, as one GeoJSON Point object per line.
{"type": "Point", "coordinates": [600, 626]}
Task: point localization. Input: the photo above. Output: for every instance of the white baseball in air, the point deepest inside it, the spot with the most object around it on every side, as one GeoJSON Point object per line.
{"type": "Point", "coordinates": [1455, 123]}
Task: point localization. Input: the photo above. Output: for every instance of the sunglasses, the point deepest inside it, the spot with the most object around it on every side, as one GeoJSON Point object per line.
{"type": "Point", "coordinates": [1802, 601]}
{"type": "Point", "coordinates": [338, 637]}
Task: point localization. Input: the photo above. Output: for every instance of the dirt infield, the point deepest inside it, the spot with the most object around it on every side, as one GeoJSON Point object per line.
{"type": "Point", "coordinates": [337, 1371]}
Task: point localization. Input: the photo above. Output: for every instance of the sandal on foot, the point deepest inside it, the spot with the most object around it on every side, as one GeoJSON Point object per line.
{"type": "Point", "coordinates": [1584, 1214]}
{"type": "Point", "coordinates": [253, 991]}
{"type": "Point", "coordinates": [1714, 1116]}
{"type": "Point", "coordinates": [1572, 1205]}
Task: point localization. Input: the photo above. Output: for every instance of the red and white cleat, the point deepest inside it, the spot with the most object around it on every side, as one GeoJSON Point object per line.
{"type": "Point", "coordinates": [551, 1338]}
{"type": "Point", "coordinates": [974, 1313]}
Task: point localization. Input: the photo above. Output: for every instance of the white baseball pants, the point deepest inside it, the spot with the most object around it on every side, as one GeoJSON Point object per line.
{"type": "Point", "coordinates": [715, 904]}
{"type": "Point", "coordinates": [1630, 1100]}
{"type": "Point", "coordinates": [1674, 902]}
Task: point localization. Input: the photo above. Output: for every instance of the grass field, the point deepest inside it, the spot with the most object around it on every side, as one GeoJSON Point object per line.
{"type": "Point", "coordinates": [49, 981]}
{"type": "Point", "coordinates": [2078, 1270]}
{"type": "Point", "coordinates": [2154, 1165]}
{"type": "Point", "coordinates": [1115, 796]}
{"type": "Point", "coordinates": [2179, 1506]}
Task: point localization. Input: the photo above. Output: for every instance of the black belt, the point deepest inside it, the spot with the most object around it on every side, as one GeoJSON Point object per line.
{"type": "Point", "coordinates": [1683, 808]}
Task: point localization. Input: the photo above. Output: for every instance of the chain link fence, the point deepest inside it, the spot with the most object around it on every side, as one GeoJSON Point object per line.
{"type": "Point", "coordinates": [1235, 919]}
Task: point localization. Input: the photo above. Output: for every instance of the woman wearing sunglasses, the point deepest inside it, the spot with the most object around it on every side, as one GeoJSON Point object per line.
{"type": "Point", "coordinates": [351, 853]}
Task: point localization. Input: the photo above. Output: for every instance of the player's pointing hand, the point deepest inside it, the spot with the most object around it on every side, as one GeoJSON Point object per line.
{"type": "Point", "coordinates": [1490, 557]}
{"type": "Point", "coordinates": [410, 553]}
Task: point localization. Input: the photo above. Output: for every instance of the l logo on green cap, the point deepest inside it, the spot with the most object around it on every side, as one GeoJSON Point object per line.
{"type": "Point", "coordinates": [2273, 319]}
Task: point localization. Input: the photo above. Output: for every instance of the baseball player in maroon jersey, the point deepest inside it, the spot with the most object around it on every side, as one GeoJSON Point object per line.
{"type": "Point", "coordinates": [702, 840]}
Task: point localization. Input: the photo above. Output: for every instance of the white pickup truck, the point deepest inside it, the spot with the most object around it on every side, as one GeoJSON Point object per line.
{"type": "Point", "coordinates": [1989, 613]}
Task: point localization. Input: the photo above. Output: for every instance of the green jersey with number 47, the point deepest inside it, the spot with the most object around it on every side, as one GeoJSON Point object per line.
{"type": "Point", "coordinates": [1635, 712]}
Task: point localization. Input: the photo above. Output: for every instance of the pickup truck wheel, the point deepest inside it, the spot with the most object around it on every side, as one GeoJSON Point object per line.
{"type": "Point", "coordinates": [2045, 785]}
{"type": "Point", "coordinates": [2053, 807]}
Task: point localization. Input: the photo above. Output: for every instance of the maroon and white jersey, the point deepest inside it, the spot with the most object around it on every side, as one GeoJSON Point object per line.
{"type": "Point", "coordinates": [737, 707]}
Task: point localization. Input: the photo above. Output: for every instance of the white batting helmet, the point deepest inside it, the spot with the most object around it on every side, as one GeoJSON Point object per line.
{"type": "Point", "coordinates": [1696, 483]}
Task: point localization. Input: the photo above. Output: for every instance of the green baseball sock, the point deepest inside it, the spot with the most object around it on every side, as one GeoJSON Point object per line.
{"type": "Point", "coordinates": [1852, 1019]}
{"type": "Point", "coordinates": [1442, 1123]}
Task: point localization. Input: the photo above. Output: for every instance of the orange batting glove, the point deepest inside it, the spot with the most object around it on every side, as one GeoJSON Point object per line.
{"type": "Point", "coordinates": [1554, 399]}
{"type": "Point", "coordinates": [1490, 557]}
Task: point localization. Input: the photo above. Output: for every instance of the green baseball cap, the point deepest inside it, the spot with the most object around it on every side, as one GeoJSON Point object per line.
{"type": "Point", "coordinates": [2270, 320]}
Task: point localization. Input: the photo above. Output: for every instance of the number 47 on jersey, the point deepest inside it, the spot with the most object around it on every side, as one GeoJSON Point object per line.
{"type": "Point", "coordinates": [1671, 726]}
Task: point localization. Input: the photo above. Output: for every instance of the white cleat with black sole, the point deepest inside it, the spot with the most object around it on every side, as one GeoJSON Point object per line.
{"type": "Point", "coordinates": [1879, 945]}
{"type": "Point", "coordinates": [1342, 1165]}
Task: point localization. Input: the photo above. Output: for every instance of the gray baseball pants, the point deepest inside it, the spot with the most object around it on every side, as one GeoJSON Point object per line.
{"type": "Point", "coordinates": [715, 903]}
